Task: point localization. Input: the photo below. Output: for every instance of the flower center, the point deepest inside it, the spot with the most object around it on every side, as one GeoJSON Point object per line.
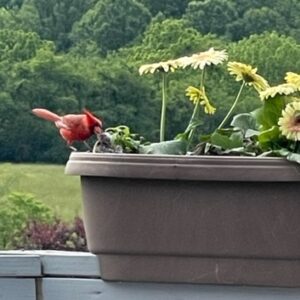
{"type": "Point", "coordinates": [295, 126]}
{"type": "Point", "coordinates": [247, 77]}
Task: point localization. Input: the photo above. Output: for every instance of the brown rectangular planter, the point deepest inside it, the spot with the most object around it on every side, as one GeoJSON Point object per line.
{"type": "Point", "coordinates": [196, 219]}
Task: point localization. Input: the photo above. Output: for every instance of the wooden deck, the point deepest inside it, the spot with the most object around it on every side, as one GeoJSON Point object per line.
{"type": "Point", "coordinates": [55, 275]}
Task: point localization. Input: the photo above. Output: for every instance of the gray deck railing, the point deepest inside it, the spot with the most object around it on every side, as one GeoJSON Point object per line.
{"type": "Point", "coordinates": [56, 275]}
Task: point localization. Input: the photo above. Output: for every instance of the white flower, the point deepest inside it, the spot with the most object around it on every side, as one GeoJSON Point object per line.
{"type": "Point", "coordinates": [203, 59]}
{"type": "Point", "coordinates": [163, 66]}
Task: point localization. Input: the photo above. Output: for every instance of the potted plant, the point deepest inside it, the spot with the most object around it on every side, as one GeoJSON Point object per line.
{"type": "Point", "coordinates": [226, 211]}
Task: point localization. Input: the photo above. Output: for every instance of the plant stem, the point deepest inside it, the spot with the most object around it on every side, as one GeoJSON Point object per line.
{"type": "Point", "coordinates": [196, 110]}
{"type": "Point", "coordinates": [163, 108]}
{"type": "Point", "coordinates": [193, 118]}
{"type": "Point", "coordinates": [232, 107]}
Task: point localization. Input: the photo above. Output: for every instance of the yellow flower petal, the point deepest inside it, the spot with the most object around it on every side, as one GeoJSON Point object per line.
{"type": "Point", "coordinates": [293, 78]}
{"type": "Point", "coordinates": [281, 89]}
{"type": "Point", "coordinates": [248, 74]}
{"type": "Point", "coordinates": [199, 96]}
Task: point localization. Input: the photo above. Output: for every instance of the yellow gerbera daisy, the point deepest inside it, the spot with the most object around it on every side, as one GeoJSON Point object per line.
{"type": "Point", "coordinates": [199, 95]}
{"type": "Point", "coordinates": [163, 66]}
{"type": "Point", "coordinates": [202, 59]}
{"type": "Point", "coordinates": [248, 75]}
{"type": "Point", "coordinates": [293, 78]}
{"type": "Point", "coordinates": [289, 123]}
{"type": "Point", "coordinates": [281, 89]}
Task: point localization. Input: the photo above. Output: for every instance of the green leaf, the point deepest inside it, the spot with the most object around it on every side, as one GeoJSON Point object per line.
{"type": "Point", "coordinates": [290, 156]}
{"type": "Point", "coordinates": [235, 140]}
{"type": "Point", "coordinates": [205, 138]}
{"type": "Point", "coordinates": [251, 133]}
{"type": "Point", "coordinates": [268, 137]}
{"type": "Point", "coordinates": [244, 122]}
{"type": "Point", "coordinates": [274, 153]}
{"type": "Point", "coordinates": [267, 116]}
{"type": "Point", "coordinates": [294, 157]}
{"type": "Point", "coordinates": [247, 123]}
{"type": "Point", "coordinates": [119, 139]}
{"type": "Point", "coordinates": [168, 147]}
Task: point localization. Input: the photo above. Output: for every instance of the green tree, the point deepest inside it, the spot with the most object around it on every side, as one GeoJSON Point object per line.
{"type": "Point", "coordinates": [241, 18]}
{"type": "Point", "coordinates": [11, 3]}
{"type": "Point", "coordinates": [121, 97]}
{"type": "Point", "coordinates": [256, 20]}
{"type": "Point", "coordinates": [168, 39]}
{"type": "Point", "coordinates": [58, 17]}
{"type": "Point", "coordinates": [112, 24]}
{"type": "Point", "coordinates": [26, 18]}
{"type": "Point", "coordinates": [170, 8]}
{"type": "Point", "coordinates": [290, 11]}
{"type": "Point", "coordinates": [7, 19]}
{"type": "Point", "coordinates": [211, 16]}
{"type": "Point", "coordinates": [19, 46]}
{"type": "Point", "coordinates": [242, 6]}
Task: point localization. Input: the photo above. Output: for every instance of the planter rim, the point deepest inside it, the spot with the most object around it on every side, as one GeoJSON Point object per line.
{"type": "Point", "coordinates": [182, 167]}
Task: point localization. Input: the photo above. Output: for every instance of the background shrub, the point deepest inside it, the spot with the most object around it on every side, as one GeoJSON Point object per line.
{"type": "Point", "coordinates": [54, 236]}
{"type": "Point", "coordinates": [27, 223]}
{"type": "Point", "coordinates": [16, 210]}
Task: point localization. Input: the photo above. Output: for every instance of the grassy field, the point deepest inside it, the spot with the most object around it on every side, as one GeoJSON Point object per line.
{"type": "Point", "coordinates": [47, 182]}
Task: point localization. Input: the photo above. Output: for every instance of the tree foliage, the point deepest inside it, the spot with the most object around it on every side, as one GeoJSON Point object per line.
{"type": "Point", "coordinates": [211, 16]}
{"type": "Point", "coordinates": [169, 8]}
{"type": "Point", "coordinates": [236, 19]}
{"type": "Point", "coordinates": [58, 17]}
{"type": "Point", "coordinates": [170, 38]}
{"type": "Point", "coordinates": [112, 24]}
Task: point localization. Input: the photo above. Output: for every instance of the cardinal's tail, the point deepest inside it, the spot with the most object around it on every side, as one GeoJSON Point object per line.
{"type": "Point", "coordinates": [46, 114]}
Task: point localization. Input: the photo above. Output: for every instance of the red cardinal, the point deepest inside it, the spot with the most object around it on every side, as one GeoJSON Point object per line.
{"type": "Point", "coordinates": [72, 127]}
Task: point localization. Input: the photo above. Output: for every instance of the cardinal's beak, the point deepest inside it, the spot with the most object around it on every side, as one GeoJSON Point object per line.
{"type": "Point", "coordinates": [97, 130]}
